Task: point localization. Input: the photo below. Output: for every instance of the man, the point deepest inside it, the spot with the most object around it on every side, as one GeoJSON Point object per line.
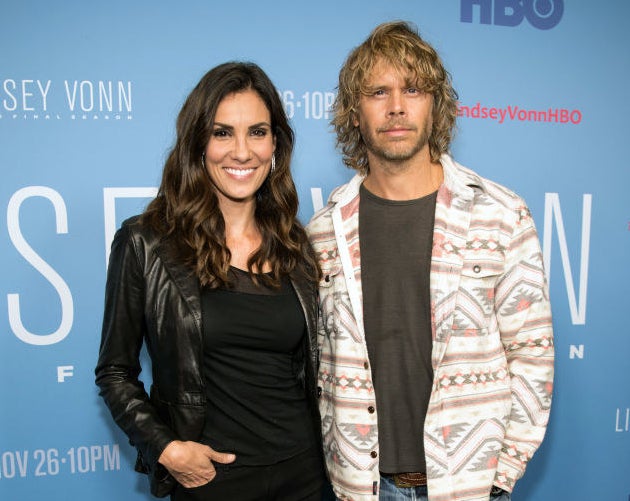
{"type": "Point", "coordinates": [436, 350]}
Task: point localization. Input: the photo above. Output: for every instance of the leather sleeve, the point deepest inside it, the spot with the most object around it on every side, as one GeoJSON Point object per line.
{"type": "Point", "coordinates": [123, 332]}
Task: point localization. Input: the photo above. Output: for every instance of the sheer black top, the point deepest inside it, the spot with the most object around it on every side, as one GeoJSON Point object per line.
{"type": "Point", "coordinates": [256, 407]}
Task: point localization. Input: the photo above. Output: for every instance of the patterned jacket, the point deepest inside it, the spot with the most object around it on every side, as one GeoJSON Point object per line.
{"type": "Point", "coordinates": [492, 350]}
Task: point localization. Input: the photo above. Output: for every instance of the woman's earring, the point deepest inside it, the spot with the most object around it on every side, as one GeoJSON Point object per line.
{"type": "Point", "coordinates": [273, 162]}
{"type": "Point", "coordinates": [203, 159]}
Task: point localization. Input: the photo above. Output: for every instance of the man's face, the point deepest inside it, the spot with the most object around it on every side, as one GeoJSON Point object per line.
{"type": "Point", "coordinates": [394, 117]}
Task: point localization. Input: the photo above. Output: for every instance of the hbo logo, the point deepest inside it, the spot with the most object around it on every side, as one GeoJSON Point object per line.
{"type": "Point", "coordinates": [541, 14]}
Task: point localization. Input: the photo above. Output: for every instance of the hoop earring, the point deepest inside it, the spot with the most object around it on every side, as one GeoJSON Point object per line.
{"type": "Point", "coordinates": [273, 162]}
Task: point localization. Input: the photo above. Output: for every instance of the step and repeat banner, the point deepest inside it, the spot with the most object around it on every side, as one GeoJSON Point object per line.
{"type": "Point", "coordinates": [89, 92]}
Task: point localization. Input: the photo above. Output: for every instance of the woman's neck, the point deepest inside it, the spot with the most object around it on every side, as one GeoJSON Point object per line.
{"type": "Point", "coordinates": [242, 235]}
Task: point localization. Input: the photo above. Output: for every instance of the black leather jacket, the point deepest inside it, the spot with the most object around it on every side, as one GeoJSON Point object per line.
{"type": "Point", "coordinates": [152, 298]}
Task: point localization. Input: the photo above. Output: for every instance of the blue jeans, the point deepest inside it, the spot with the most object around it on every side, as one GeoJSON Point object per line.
{"type": "Point", "coordinates": [389, 492]}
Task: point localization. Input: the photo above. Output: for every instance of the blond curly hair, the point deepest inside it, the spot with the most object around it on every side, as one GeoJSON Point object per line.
{"type": "Point", "coordinates": [398, 44]}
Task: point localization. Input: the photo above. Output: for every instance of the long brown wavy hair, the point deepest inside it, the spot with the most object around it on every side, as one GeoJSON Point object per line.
{"type": "Point", "coordinates": [186, 210]}
{"type": "Point", "coordinates": [398, 44]}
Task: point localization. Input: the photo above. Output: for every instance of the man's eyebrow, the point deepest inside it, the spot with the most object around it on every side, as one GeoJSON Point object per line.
{"type": "Point", "coordinates": [375, 86]}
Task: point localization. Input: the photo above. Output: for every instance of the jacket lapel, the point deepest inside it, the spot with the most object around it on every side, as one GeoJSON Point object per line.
{"type": "Point", "coordinates": [307, 297]}
{"type": "Point", "coordinates": [452, 220]}
{"type": "Point", "coordinates": [184, 280]}
{"type": "Point", "coordinates": [345, 218]}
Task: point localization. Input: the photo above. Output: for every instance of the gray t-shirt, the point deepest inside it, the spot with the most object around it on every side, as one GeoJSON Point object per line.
{"type": "Point", "coordinates": [396, 238]}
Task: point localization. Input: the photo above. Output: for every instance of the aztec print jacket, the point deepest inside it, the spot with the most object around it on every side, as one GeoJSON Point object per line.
{"type": "Point", "coordinates": [492, 343]}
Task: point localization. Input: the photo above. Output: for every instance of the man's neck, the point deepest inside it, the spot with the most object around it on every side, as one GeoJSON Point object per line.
{"type": "Point", "coordinates": [403, 181]}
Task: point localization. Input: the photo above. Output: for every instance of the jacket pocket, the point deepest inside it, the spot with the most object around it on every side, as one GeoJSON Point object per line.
{"type": "Point", "coordinates": [474, 308]}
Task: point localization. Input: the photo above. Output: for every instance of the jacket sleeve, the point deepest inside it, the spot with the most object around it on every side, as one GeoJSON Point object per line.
{"type": "Point", "coordinates": [524, 318]}
{"type": "Point", "coordinates": [118, 364]}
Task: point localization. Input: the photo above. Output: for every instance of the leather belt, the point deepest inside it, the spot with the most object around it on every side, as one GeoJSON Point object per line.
{"type": "Point", "coordinates": [407, 479]}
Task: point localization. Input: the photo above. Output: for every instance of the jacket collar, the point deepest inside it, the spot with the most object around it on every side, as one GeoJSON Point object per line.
{"type": "Point", "coordinates": [458, 180]}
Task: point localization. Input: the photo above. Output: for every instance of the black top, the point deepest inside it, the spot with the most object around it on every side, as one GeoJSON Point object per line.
{"type": "Point", "coordinates": [256, 407]}
{"type": "Point", "coordinates": [396, 239]}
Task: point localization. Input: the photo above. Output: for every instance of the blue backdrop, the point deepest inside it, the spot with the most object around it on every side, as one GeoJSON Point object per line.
{"type": "Point", "coordinates": [88, 99]}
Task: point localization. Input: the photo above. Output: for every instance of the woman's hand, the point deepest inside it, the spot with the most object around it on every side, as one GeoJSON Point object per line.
{"type": "Point", "coordinates": [191, 462]}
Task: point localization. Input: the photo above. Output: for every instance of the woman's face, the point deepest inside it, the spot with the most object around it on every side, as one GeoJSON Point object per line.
{"type": "Point", "coordinates": [238, 154]}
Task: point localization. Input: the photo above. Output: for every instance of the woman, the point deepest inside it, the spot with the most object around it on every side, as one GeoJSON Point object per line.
{"type": "Point", "coordinates": [218, 279]}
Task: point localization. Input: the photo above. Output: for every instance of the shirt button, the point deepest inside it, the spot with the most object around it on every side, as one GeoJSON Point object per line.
{"type": "Point", "coordinates": [476, 268]}
{"type": "Point", "coordinates": [366, 366]}
{"type": "Point", "coordinates": [327, 278]}
{"type": "Point", "coordinates": [373, 454]}
{"type": "Point", "coordinates": [371, 409]}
